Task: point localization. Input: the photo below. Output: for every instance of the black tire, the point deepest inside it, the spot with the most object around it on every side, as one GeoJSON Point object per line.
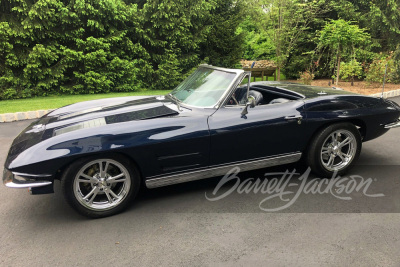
{"type": "Point", "coordinates": [319, 154]}
{"type": "Point", "coordinates": [84, 176]}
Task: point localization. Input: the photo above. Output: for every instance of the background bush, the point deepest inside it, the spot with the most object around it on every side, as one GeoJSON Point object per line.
{"type": "Point", "coordinates": [99, 46]}
{"type": "Point", "coordinates": [395, 75]}
{"type": "Point", "coordinates": [376, 70]}
{"type": "Point", "coordinates": [86, 46]}
{"type": "Point", "coordinates": [350, 70]}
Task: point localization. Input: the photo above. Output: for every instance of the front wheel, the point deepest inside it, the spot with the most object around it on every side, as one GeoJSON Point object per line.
{"type": "Point", "coordinates": [100, 186]}
{"type": "Point", "coordinates": [334, 149]}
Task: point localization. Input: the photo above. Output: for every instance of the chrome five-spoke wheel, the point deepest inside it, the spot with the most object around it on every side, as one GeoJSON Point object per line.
{"type": "Point", "coordinates": [100, 186]}
{"type": "Point", "coordinates": [338, 150]}
{"type": "Point", "coordinates": [334, 149]}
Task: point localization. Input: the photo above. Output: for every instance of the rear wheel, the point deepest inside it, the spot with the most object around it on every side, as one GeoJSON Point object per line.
{"type": "Point", "coordinates": [334, 149]}
{"type": "Point", "coordinates": [100, 186]}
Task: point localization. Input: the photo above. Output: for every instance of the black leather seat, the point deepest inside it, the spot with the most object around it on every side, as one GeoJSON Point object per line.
{"type": "Point", "coordinates": [240, 95]}
{"type": "Point", "coordinates": [257, 96]}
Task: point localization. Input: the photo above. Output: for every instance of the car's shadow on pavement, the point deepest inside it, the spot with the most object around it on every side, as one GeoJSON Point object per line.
{"type": "Point", "coordinates": [185, 197]}
{"type": "Point", "coordinates": [363, 189]}
{"type": "Point", "coordinates": [192, 197]}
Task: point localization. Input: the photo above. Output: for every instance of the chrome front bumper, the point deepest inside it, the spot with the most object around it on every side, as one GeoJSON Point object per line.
{"type": "Point", "coordinates": [22, 180]}
{"type": "Point", "coordinates": [392, 125]}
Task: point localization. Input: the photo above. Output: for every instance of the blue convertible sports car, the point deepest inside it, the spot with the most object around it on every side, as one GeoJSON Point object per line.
{"type": "Point", "coordinates": [103, 150]}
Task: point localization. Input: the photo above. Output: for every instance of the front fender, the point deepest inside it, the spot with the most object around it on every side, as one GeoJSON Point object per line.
{"type": "Point", "coordinates": [143, 141]}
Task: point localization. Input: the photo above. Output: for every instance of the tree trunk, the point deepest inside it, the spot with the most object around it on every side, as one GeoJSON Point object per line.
{"type": "Point", "coordinates": [338, 68]}
{"type": "Point", "coordinates": [278, 48]}
{"type": "Point", "coordinates": [278, 73]}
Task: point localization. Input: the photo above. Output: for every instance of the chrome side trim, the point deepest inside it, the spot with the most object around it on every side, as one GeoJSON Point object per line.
{"type": "Point", "coordinates": [392, 125]}
{"type": "Point", "coordinates": [178, 156]}
{"type": "Point", "coordinates": [222, 170]}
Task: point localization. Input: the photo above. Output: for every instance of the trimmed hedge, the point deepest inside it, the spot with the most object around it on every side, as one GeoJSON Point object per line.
{"type": "Point", "coordinates": [99, 46]}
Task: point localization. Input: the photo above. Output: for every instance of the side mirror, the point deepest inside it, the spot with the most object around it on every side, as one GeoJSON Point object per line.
{"type": "Point", "coordinates": [251, 102]}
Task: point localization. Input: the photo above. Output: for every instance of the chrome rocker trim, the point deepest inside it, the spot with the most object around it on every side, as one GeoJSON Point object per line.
{"type": "Point", "coordinates": [392, 125]}
{"type": "Point", "coordinates": [222, 170]}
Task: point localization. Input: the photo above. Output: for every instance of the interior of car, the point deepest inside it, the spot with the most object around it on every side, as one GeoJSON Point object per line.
{"type": "Point", "coordinates": [263, 95]}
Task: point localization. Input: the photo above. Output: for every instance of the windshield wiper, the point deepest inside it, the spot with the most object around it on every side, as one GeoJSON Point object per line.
{"type": "Point", "coordinates": [177, 101]}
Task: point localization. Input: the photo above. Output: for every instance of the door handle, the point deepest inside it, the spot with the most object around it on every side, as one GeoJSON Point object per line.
{"type": "Point", "coordinates": [295, 117]}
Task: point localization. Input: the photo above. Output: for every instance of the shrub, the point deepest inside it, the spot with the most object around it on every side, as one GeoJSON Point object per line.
{"type": "Point", "coordinates": [395, 74]}
{"type": "Point", "coordinates": [376, 70]}
{"type": "Point", "coordinates": [73, 47]}
{"type": "Point", "coordinates": [306, 77]}
{"type": "Point", "coordinates": [80, 47]}
{"type": "Point", "coordinates": [350, 70]}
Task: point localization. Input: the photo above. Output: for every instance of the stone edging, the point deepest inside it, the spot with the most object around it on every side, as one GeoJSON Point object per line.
{"type": "Point", "coordinates": [28, 115]}
{"type": "Point", "coordinates": [388, 94]}
{"type": "Point", "coordinates": [20, 116]}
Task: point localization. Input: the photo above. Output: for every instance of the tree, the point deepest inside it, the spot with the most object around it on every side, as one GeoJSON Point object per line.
{"type": "Point", "coordinates": [85, 46]}
{"type": "Point", "coordinates": [224, 45]}
{"type": "Point", "coordinates": [381, 18]}
{"type": "Point", "coordinates": [53, 46]}
{"type": "Point", "coordinates": [289, 19]}
{"type": "Point", "coordinates": [258, 43]}
{"type": "Point", "coordinates": [390, 12]}
{"type": "Point", "coordinates": [396, 68]}
{"type": "Point", "coordinates": [339, 35]}
{"type": "Point", "coordinates": [350, 70]}
{"type": "Point", "coordinates": [294, 46]}
{"type": "Point", "coordinates": [173, 31]}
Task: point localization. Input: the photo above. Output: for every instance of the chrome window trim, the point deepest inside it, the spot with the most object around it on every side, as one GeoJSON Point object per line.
{"type": "Point", "coordinates": [233, 88]}
{"type": "Point", "coordinates": [153, 182]}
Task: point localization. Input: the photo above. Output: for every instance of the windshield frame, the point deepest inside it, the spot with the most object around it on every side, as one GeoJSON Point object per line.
{"type": "Point", "coordinates": [238, 74]}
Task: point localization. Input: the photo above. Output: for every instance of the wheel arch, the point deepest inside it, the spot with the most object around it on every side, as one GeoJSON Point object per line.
{"type": "Point", "coordinates": [59, 173]}
{"type": "Point", "coordinates": [359, 123]}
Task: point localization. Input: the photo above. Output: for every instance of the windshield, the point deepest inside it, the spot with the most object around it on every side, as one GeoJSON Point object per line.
{"type": "Point", "coordinates": [204, 87]}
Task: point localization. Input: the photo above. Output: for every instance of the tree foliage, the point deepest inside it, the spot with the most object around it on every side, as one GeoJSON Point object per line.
{"type": "Point", "coordinates": [376, 70]}
{"type": "Point", "coordinates": [339, 35]}
{"type": "Point", "coordinates": [224, 45]}
{"type": "Point", "coordinates": [350, 70]}
{"type": "Point", "coordinates": [285, 22]}
{"type": "Point", "coordinates": [72, 47]}
{"type": "Point", "coordinates": [294, 26]}
{"type": "Point", "coordinates": [396, 66]}
{"type": "Point", "coordinates": [85, 46]}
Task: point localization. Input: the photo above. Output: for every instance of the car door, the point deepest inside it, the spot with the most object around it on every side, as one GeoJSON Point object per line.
{"type": "Point", "coordinates": [266, 130]}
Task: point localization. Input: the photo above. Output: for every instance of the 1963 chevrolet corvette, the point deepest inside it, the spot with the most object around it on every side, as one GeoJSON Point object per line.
{"type": "Point", "coordinates": [103, 150]}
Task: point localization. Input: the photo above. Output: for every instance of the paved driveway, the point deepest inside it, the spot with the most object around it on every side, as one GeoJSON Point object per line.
{"type": "Point", "coordinates": [176, 225]}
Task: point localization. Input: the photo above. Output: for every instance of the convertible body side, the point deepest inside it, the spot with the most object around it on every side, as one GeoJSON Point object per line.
{"type": "Point", "coordinates": [171, 144]}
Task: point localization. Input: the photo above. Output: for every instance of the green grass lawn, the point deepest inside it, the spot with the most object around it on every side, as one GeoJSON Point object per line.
{"type": "Point", "coordinates": [51, 102]}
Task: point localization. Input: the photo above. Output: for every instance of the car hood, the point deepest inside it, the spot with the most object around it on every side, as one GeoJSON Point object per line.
{"type": "Point", "coordinates": [110, 111]}
{"type": "Point", "coordinates": [90, 114]}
